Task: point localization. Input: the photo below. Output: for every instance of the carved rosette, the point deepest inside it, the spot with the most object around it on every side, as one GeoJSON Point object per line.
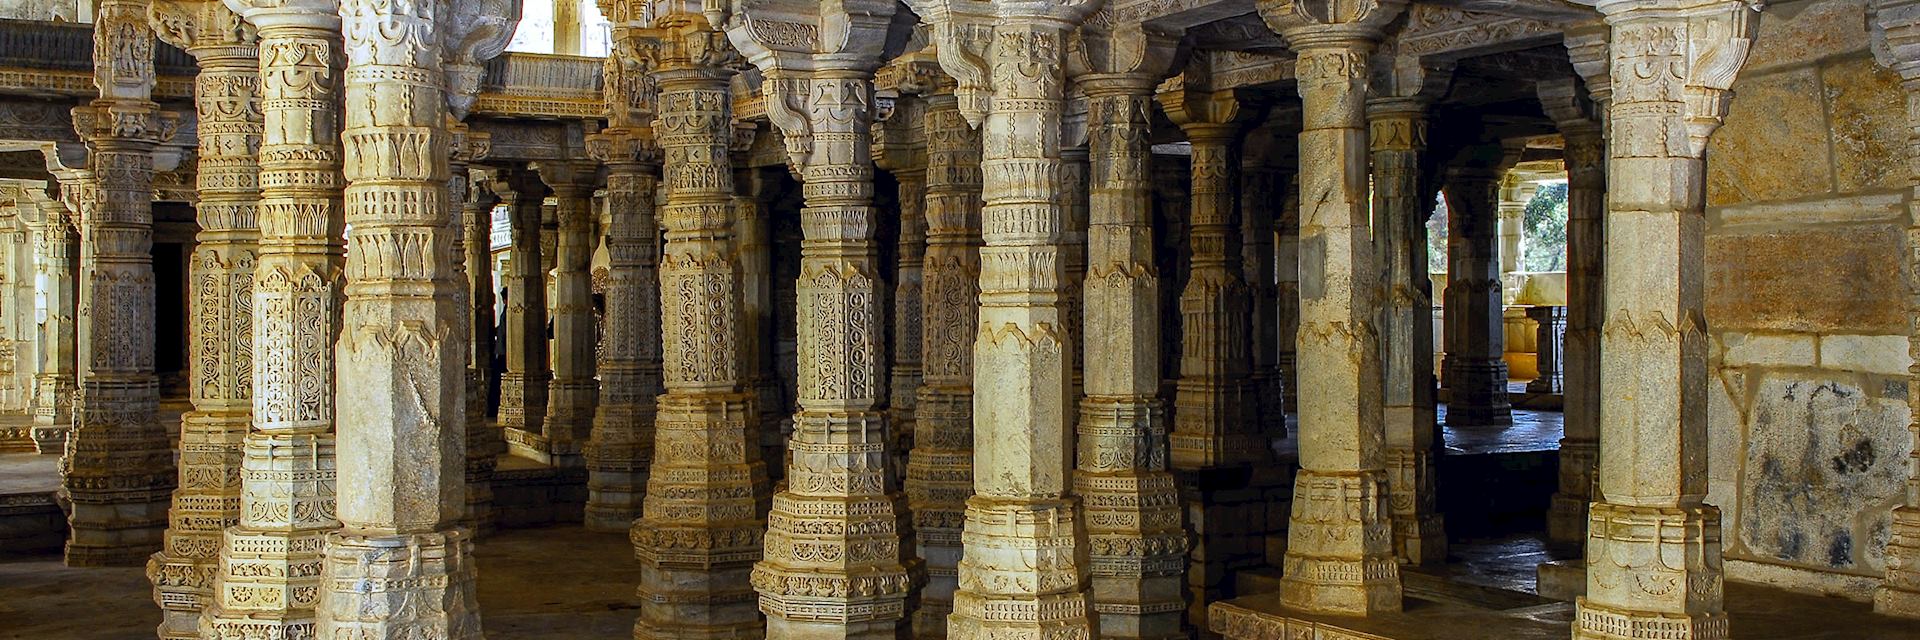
{"type": "Point", "coordinates": [700, 535]}
{"type": "Point", "coordinates": [1897, 32]}
{"type": "Point", "coordinates": [118, 467]}
{"type": "Point", "coordinates": [573, 391]}
{"type": "Point", "coordinates": [621, 449]}
{"type": "Point", "coordinates": [939, 475]}
{"type": "Point", "coordinates": [221, 350]}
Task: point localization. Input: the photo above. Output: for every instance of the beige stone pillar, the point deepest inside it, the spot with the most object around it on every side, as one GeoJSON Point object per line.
{"type": "Point", "coordinates": [1137, 546]}
{"type": "Point", "coordinates": [401, 566]}
{"type": "Point", "coordinates": [1654, 544]}
{"type": "Point", "coordinates": [1515, 191]}
{"type": "Point", "coordinates": [698, 537]}
{"type": "Point", "coordinates": [1475, 361]}
{"type": "Point", "coordinates": [753, 246]}
{"type": "Point", "coordinates": [55, 257]}
{"type": "Point", "coordinates": [1897, 26]}
{"type": "Point", "coordinates": [471, 205]}
{"type": "Point", "coordinates": [1586, 154]}
{"type": "Point", "coordinates": [1339, 538]}
{"type": "Point", "coordinates": [834, 561]}
{"type": "Point", "coordinates": [269, 578]}
{"type": "Point", "coordinates": [1024, 573]}
{"type": "Point", "coordinates": [621, 448]}
{"type": "Point", "coordinates": [572, 393]}
{"type": "Point", "coordinates": [900, 147]}
{"type": "Point", "coordinates": [523, 386]}
{"type": "Point", "coordinates": [940, 467]}
{"type": "Point", "coordinates": [221, 349]}
{"type": "Point", "coordinates": [1552, 323]}
{"type": "Point", "coordinates": [118, 468]}
{"type": "Point", "coordinates": [1398, 139]}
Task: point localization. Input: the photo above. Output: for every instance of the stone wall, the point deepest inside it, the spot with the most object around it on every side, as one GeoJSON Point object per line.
{"type": "Point", "coordinates": [1805, 194]}
{"type": "Point", "coordinates": [38, 9]}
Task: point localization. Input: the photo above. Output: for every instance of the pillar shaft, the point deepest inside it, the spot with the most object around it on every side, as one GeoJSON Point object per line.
{"type": "Point", "coordinates": [55, 254]}
{"type": "Point", "coordinates": [1398, 135]}
{"type": "Point", "coordinates": [1550, 341]}
{"type": "Point", "coordinates": [400, 564]}
{"type": "Point", "coordinates": [270, 563]}
{"type": "Point", "coordinates": [473, 237]}
{"type": "Point", "coordinates": [1286, 253]}
{"type": "Point", "coordinates": [699, 535]}
{"type": "Point", "coordinates": [523, 386]}
{"type": "Point", "coordinates": [909, 312]}
{"type": "Point", "coordinates": [1214, 420]}
{"type": "Point", "coordinates": [940, 467]}
{"type": "Point", "coordinates": [1650, 526]}
{"type": "Point", "coordinates": [1900, 594]}
{"type": "Point", "coordinates": [118, 468]}
{"type": "Point", "coordinates": [621, 448]}
{"type": "Point", "coordinates": [221, 350]}
{"type": "Point", "coordinates": [1585, 314]}
{"type": "Point", "coordinates": [1137, 546]}
{"type": "Point", "coordinates": [1261, 188]}
{"type": "Point", "coordinates": [1476, 367]}
{"type": "Point", "coordinates": [572, 393]}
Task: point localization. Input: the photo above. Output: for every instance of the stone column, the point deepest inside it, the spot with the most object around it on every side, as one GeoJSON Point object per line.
{"type": "Point", "coordinates": [1286, 253]}
{"type": "Point", "coordinates": [54, 260]}
{"type": "Point", "coordinates": [753, 246]}
{"type": "Point", "coordinates": [221, 349]}
{"type": "Point", "coordinates": [269, 577]}
{"type": "Point", "coordinates": [1586, 153]}
{"type": "Point", "coordinates": [118, 469]}
{"type": "Point", "coordinates": [1552, 332]}
{"type": "Point", "coordinates": [572, 392]}
{"type": "Point", "coordinates": [1515, 191]}
{"type": "Point", "coordinates": [472, 205]}
{"type": "Point", "coordinates": [1213, 415]}
{"type": "Point", "coordinates": [1137, 546]}
{"type": "Point", "coordinates": [900, 146]}
{"type": "Point", "coordinates": [698, 537]}
{"type": "Point", "coordinates": [1074, 206]}
{"type": "Point", "coordinates": [523, 386]}
{"type": "Point", "coordinates": [1897, 25]}
{"type": "Point", "coordinates": [1475, 362]}
{"type": "Point", "coordinates": [940, 467]}
{"type": "Point", "coordinates": [1260, 189]}
{"type": "Point", "coordinates": [621, 448]}
{"type": "Point", "coordinates": [1339, 538]}
{"type": "Point", "coordinates": [1024, 573]}
{"type": "Point", "coordinates": [834, 561]}
{"type": "Point", "coordinates": [1655, 544]}
{"type": "Point", "coordinates": [1398, 137]}
{"type": "Point", "coordinates": [400, 566]}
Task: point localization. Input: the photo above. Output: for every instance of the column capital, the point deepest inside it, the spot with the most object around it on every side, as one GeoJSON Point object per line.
{"type": "Point", "coordinates": [206, 29]}
{"type": "Point", "coordinates": [321, 15]}
{"type": "Point", "coordinates": [1330, 24]}
{"type": "Point", "coordinates": [1397, 124]}
{"type": "Point", "coordinates": [1700, 43]}
{"type": "Point", "coordinates": [568, 178]}
{"type": "Point", "coordinates": [686, 47]}
{"type": "Point", "coordinates": [1206, 115]}
{"type": "Point", "coordinates": [1122, 59]}
{"type": "Point", "coordinates": [624, 145]}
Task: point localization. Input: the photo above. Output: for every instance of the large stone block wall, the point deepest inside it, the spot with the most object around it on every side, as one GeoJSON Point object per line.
{"type": "Point", "coordinates": [1806, 200]}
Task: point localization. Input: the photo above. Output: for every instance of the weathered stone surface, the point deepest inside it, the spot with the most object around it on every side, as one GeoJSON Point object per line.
{"type": "Point", "coordinates": [1825, 461]}
{"type": "Point", "coordinates": [1757, 349]}
{"type": "Point", "coordinates": [1797, 32]}
{"type": "Point", "coordinates": [1774, 143]}
{"type": "Point", "coordinates": [1867, 354]}
{"type": "Point", "coordinates": [1808, 280]}
{"type": "Point", "coordinates": [1864, 103]}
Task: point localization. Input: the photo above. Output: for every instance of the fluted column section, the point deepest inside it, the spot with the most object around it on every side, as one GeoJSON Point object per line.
{"type": "Point", "coordinates": [221, 350]}
{"type": "Point", "coordinates": [523, 386]}
{"type": "Point", "coordinates": [400, 567]}
{"type": "Point", "coordinates": [1137, 546]}
{"type": "Point", "coordinates": [118, 469]}
{"type": "Point", "coordinates": [1900, 593]}
{"type": "Point", "coordinates": [1653, 541]}
{"type": "Point", "coordinates": [621, 448]}
{"type": "Point", "coordinates": [572, 393]}
{"type": "Point", "coordinates": [699, 536]}
{"type": "Point", "coordinates": [270, 563]}
{"type": "Point", "coordinates": [940, 467]}
{"type": "Point", "coordinates": [1398, 135]}
{"type": "Point", "coordinates": [1339, 539]}
{"type": "Point", "coordinates": [54, 258]}
{"type": "Point", "coordinates": [1476, 368]}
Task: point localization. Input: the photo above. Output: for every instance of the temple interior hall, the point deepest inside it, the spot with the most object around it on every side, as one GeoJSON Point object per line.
{"type": "Point", "coordinates": [968, 319]}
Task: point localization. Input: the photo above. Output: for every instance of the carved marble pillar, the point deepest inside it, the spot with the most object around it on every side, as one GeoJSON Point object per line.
{"type": "Point", "coordinates": [1475, 364]}
{"type": "Point", "coordinates": [1024, 574]}
{"type": "Point", "coordinates": [834, 564]}
{"type": "Point", "coordinates": [221, 276]}
{"type": "Point", "coordinates": [269, 577]}
{"type": "Point", "coordinates": [900, 149]}
{"type": "Point", "coordinates": [753, 244]}
{"type": "Point", "coordinates": [1552, 332]}
{"type": "Point", "coordinates": [55, 257]}
{"type": "Point", "coordinates": [472, 222]}
{"type": "Point", "coordinates": [1586, 154]}
{"type": "Point", "coordinates": [1897, 27]}
{"type": "Point", "coordinates": [940, 467]}
{"type": "Point", "coordinates": [699, 536]}
{"type": "Point", "coordinates": [401, 566]}
{"type": "Point", "coordinates": [573, 390]}
{"type": "Point", "coordinates": [523, 386]}
{"type": "Point", "coordinates": [1654, 541]}
{"type": "Point", "coordinates": [621, 448]}
{"type": "Point", "coordinates": [1515, 191]}
{"type": "Point", "coordinates": [118, 469]}
{"type": "Point", "coordinates": [1339, 539]}
{"type": "Point", "coordinates": [1398, 136]}
{"type": "Point", "coordinates": [1137, 546]}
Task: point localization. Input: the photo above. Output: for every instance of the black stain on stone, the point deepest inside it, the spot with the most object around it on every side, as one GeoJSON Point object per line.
{"type": "Point", "coordinates": [1855, 460]}
{"type": "Point", "coordinates": [1840, 553]}
{"type": "Point", "coordinates": [1791, 543]}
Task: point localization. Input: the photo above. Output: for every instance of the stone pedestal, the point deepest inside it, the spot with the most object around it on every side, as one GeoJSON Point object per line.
{"type": "Point", "coordinates": [1549, 346]}
{"type": "Point", "coordinates": [572, 393]}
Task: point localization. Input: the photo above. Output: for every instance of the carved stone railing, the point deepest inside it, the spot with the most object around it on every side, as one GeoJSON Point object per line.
{"type": "Point", "coordinates": [542, 85]}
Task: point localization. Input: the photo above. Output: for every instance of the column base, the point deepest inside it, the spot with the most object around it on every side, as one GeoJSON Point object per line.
{"type": "Point", "coordinates": [1567, 523]}
{"type": "Point", "coordinates": [48, 440]}
{"type": "Point", "coordinates": [1652, 572]}
{"type": "Point", "coordinates": [1020, 578]}
{"type": "Point", "coordinates": [614, 499]}
{"type": "Point", "coordinates": [1478, 393]}
{"type": "Point", "coordinates": [1900, 594]}
{"type": "Point", "coordinates": [1340, 546]}
{"type": "Point", "coordinates": [109, 538]}
{"type": "Point", "coordinates": [1419, 531]}
{"type": "Point", "coordinates": [272, 580]}
{"type": "Point", "coordinates": [398, 587]}
{"type": "Point", "coordinates": [1595, 622]}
